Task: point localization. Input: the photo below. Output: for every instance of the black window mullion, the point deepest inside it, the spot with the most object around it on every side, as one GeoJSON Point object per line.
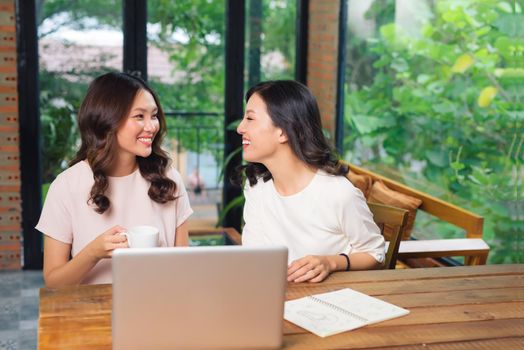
{"type": "Point", "coordinates": [341, 72]}
{"type": "Point", "coordinates": [234, 105]}
{"type": "Point", "coordinates": [29, 121]}
{"type": "Point", "coordinates": [301, 34]}
{"type": "Point", "coordinates": [135, 37]}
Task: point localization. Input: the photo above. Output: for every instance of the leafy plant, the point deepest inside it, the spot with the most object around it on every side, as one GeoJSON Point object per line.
{"type": "Point", "coordinates": [442, 101]}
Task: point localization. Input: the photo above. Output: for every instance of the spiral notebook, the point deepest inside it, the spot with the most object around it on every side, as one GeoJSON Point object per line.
{"type": "Point", "coordinates": [339, 311]}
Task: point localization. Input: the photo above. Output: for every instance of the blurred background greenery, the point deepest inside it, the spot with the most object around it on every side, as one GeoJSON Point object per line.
{"type": "Point", "coordinates": [434, 96]}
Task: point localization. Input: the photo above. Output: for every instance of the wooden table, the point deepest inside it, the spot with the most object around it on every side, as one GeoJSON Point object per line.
{"type": "Point", "coordinates": [473, 307]}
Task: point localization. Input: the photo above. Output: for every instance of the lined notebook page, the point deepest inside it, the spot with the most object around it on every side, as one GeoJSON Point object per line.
{"type": "Point", "coordinates": [339, 311]}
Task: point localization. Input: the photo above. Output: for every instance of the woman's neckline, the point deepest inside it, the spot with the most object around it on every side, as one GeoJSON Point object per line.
{"type": "Point", "coordinates": [124, 176]}
{"type": "Point", "coordinates": [116, 177]}
{"type": "Point", "coordinates": [298, 193]}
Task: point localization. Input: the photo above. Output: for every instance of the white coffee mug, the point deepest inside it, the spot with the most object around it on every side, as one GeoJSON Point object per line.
{"type": "Point", "coordinates": [142, 236]}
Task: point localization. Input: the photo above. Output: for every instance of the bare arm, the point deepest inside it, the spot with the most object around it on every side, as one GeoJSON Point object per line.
{"type": "Point", "coordinates": [315, 268]}
{"type": "Point", "coordinates": [60, 271]}
{"type": "Point", "coordinates": [182, 235]}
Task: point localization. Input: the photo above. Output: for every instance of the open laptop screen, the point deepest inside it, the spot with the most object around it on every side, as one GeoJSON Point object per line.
{"type": "Point", "coordinates": [198, 297]}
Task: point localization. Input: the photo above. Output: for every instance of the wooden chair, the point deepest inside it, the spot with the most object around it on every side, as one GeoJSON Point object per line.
{"type": "Point", "coordinates": [395, 219]}
{"type": "Point", "coordinates": [474, 250]}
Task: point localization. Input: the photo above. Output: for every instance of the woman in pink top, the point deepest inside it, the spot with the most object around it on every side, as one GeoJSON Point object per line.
{"type": "Point", "coordinates": [119, 178]}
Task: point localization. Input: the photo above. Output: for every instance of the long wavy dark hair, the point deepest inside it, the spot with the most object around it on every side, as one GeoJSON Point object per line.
{"type": "Point", "coordinates": [105, 108]}
{"type": "Point", "coordinates": [293, 108]}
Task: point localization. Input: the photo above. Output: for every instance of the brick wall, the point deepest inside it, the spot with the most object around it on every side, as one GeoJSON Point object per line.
{"type": "Point", "coordinates": [322, 57]}
{"type": "Point", "coordinates": [10, 202]}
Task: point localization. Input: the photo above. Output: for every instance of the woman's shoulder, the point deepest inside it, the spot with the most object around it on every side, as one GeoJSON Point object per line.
{"type": "Point", "coordinates": [72, 181]}
{"type": "Point", "coordinates": [331, 180]}
{"type": "Point", "coordinates": [335, 186]}
{"type": "Point", "coordinates": [78, 173]}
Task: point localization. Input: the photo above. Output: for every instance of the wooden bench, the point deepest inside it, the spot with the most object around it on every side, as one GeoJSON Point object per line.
{"type": "Point", "coordinates": [472, 248]}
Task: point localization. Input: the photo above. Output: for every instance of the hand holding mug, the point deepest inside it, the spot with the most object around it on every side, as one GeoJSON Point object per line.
{"type": "Point", "coordinates": [103, 246]}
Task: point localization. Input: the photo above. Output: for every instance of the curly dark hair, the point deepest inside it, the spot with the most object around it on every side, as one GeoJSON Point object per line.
{"type": "Point", "coordinates": [105, 108]}
{"type": "Point", "coordinates": [293, 108]}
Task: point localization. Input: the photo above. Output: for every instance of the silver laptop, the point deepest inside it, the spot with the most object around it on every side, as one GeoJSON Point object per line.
{"type": "Point", "coordinates": [198, 297]}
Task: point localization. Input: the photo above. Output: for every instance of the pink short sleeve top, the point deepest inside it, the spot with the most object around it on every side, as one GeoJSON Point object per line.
{"type": "Point", "coordinates": [67, 217]}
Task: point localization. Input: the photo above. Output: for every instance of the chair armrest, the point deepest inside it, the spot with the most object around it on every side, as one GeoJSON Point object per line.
{"type": "Point", "coordinates": [465, 219]}
{"type": "Point", "coordinates": [475, 250]}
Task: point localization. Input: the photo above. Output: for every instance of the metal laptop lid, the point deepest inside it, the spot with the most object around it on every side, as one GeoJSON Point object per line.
{"type": "Point", "coordinates": [198, 297]}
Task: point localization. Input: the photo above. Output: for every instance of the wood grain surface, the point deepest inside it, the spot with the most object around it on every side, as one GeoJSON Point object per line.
{"type": "Point", "coordinates": [471, 307]}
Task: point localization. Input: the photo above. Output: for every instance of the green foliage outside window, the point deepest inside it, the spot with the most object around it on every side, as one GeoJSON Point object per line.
{"type": "Point", "coordinates": [197, 52]}
{"type": "Point", "coordinates": [444, 106]}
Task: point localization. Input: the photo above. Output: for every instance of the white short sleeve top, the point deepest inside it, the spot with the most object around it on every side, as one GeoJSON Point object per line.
{"type": "Point", "coordinates": [330, 216]}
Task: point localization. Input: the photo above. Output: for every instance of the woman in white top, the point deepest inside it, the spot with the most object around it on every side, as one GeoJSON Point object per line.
{"type": "Point", "coordinates": [119, 178]}
{"type": "Point", "coordinates": [297, 194]}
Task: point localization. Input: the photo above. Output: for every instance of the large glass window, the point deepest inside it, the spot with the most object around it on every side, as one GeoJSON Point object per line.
{"type": "Point", "coordinates": [80, 40]}
{"type": "Point", "coordinates": [186, 68]}
{"type": "Point", "coordinates": [76, 41]}
{"type": "Point", "coordinates": [270, 40]}
{"type": "Point", "coordinates": [434, 97]}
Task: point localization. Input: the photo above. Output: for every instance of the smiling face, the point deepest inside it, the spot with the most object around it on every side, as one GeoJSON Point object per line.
{"type": "Point", "coordinates": [260, 137]}
{"type": "Point", "coordinates": [135, 136]}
